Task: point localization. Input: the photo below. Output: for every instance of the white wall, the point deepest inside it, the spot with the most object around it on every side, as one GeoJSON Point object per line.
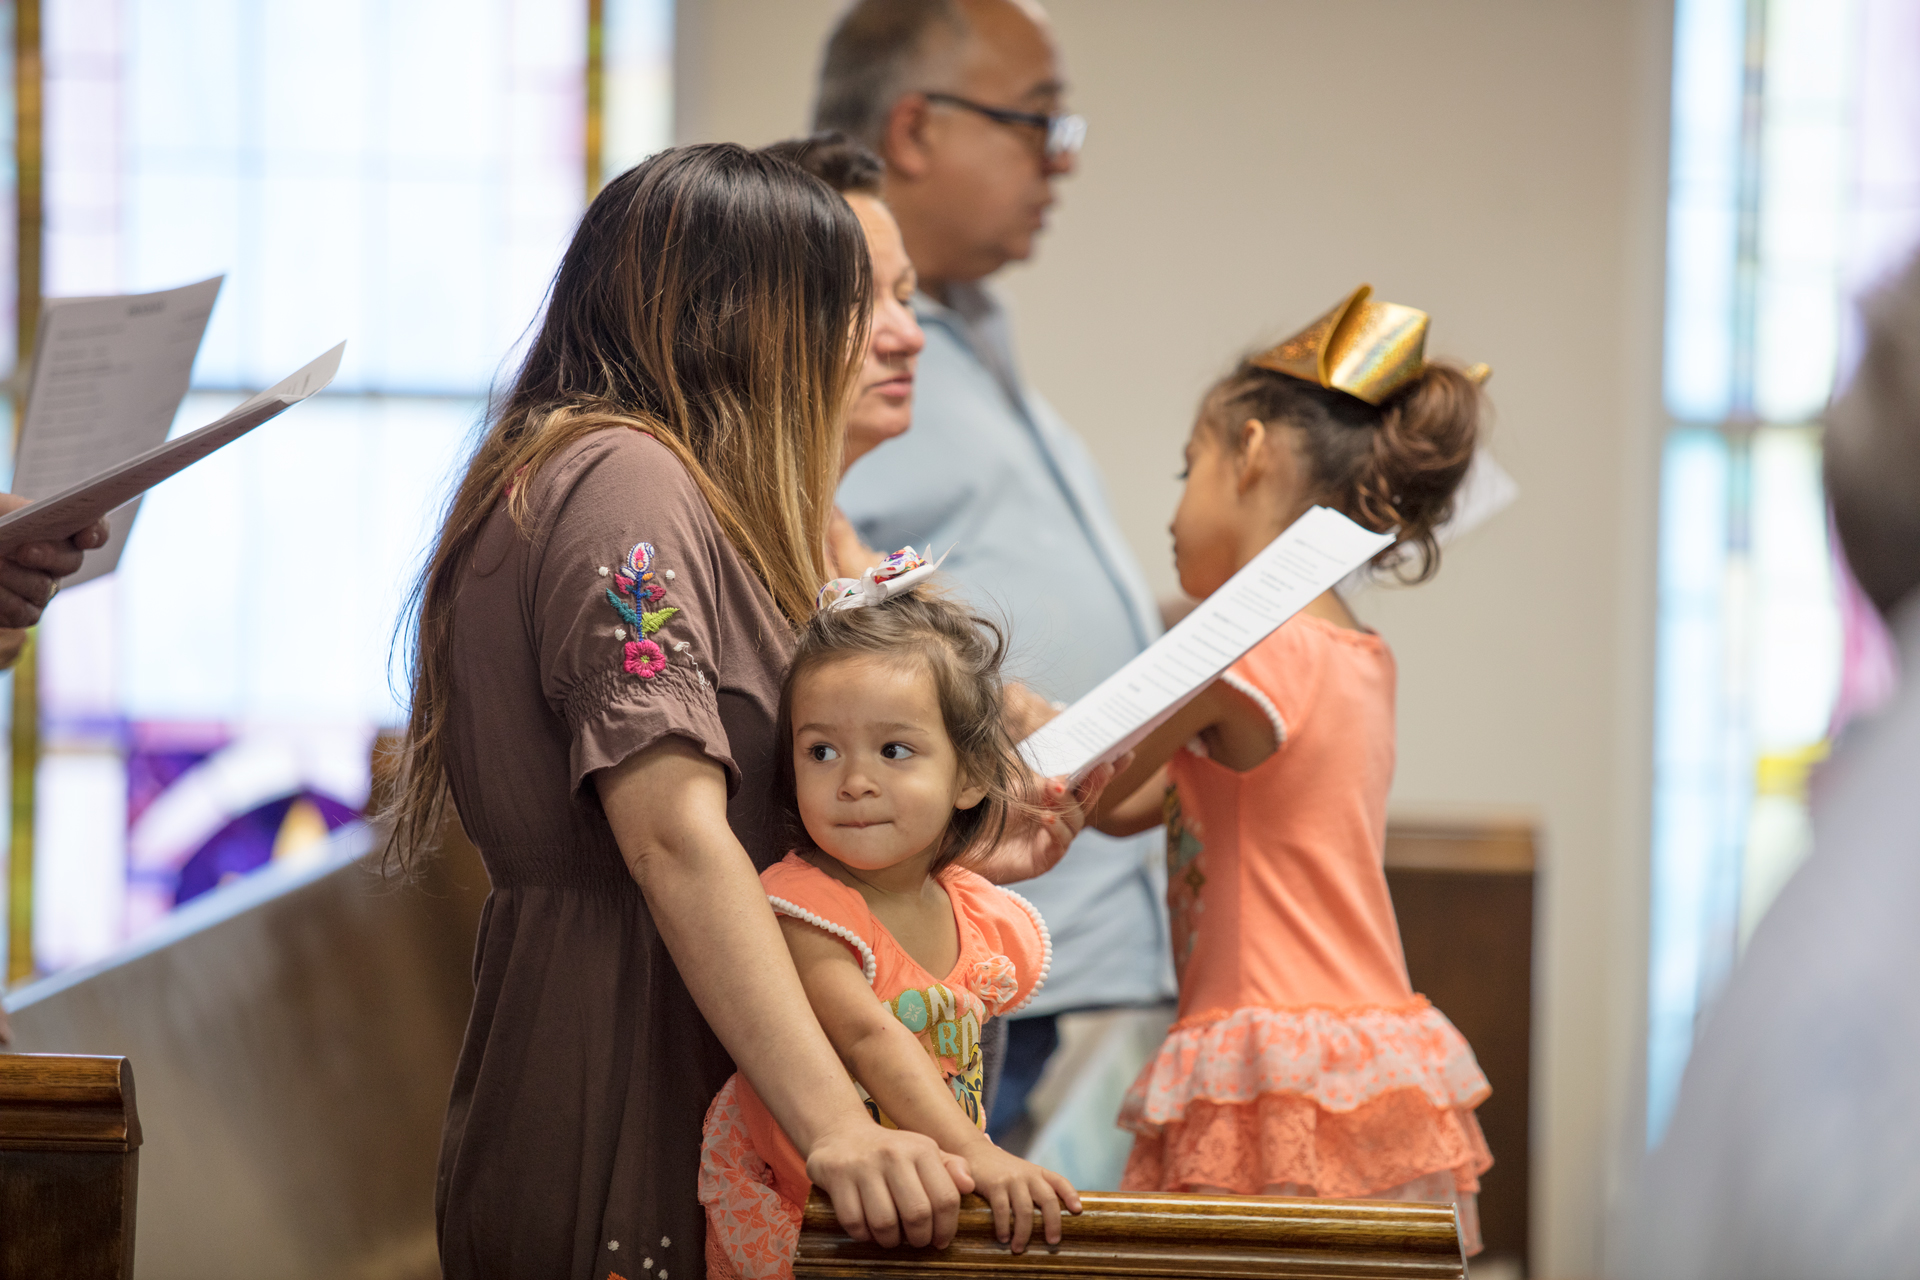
{"type": "Point", "coordinates": [1500, 163]}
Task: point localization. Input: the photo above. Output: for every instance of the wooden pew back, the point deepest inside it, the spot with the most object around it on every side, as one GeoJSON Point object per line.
{"type": "Point", "coordinates": [69, 1166]}
{"type": "Point", "coordinates": [1169, 1237]}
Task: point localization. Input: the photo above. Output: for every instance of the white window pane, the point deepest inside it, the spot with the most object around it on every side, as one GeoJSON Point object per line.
{"type": "Point", "coordinates": [1690, 739]}
{"type": "Point", "coordinates": [183, 584]}
{"type": "Point", "coordinates": [436, 296]}
{"type": "Point", "coordinates": [1796, 621]}
{"type": "Point", "coordinates": [1700, 279]}
{"type": "Point", "coordinates": [639, 81]}
{"type": "Point", "coordinates": [400, 173]}
{"type": "Point", "coordinates": [80, 863]}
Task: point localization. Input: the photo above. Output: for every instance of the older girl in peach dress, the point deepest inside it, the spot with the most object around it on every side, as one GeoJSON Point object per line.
{"type": "Point", "coordinates": [1302, 1062]}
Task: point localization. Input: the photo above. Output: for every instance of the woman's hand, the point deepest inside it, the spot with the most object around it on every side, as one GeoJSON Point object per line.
{"type": "Point", "coordinates": [1015, 1188]}
{"type": "Point", "coordinates": [1034, 844]}
{"type": "Point", "coordinates": [887, 1184]}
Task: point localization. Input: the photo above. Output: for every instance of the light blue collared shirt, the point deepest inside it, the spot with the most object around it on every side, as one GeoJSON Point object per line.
{"type": "Point", "coordinates": [992, 472]}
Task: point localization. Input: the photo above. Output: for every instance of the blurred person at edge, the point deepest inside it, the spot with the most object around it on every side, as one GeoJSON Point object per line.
{"type": "Point", "coordinates": [1791, 1152]}
{"type": "Point", "coordinates": [963, 102]}
{"type": "Point", "coordinates": [29, 576]}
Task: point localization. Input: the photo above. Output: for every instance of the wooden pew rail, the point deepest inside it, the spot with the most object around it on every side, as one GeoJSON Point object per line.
{"type": "Point", "coordinates": [69, 1166]}
{"type": "Point", "coordinates": [1168, 1237]}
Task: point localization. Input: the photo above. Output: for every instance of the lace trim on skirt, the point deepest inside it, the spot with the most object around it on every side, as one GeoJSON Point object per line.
{"type": "Point", "coordinates": [1340, 1059]}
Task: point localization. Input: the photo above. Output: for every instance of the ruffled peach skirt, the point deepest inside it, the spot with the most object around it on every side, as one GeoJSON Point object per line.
{"type": "Point", "coordinates": [1367, 1103]}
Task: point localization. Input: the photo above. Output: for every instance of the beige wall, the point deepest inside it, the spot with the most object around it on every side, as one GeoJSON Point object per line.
{"type": "Point", "coordinates": [1498, 162]}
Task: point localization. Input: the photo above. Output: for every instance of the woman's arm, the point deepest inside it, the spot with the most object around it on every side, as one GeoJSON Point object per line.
{"type": "Point", "coordinates": [668, 809]}
{"type": "Point", "coordinates": [896, 1070]}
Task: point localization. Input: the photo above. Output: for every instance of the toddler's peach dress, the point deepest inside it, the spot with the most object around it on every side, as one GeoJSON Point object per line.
{"type": "Point", "coordinates": [1302, 1062]}
{"type": "Point", "coordinates": [753, 1181]}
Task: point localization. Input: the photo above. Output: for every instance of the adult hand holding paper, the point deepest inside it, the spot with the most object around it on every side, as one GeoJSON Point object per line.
{"type": "Point", "coordinates": [106, 380]}
{"type": "Point", "coordinates": [108, 377]}
{"type": "Point", "coordinates": [30, 575]}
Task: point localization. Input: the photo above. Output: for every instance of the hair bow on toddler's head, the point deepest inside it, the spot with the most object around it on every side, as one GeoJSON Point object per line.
{"type": "Point", "coordinates": [900, 572]}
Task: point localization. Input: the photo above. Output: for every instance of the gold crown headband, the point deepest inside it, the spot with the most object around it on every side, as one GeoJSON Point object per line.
{"type": "Point", "coordinates": [1365, 348]}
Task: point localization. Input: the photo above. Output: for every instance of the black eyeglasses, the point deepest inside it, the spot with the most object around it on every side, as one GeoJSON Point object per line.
{"type": "Point", "coordinates": [1064, 134]}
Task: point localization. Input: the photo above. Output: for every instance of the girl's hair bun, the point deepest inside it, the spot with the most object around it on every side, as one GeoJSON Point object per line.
{"type": "Point", "coordinates": [1398, 465]}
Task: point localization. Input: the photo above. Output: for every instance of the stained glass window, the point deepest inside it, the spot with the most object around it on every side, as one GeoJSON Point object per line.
{"type": "Point", "coordinates": [1795, 184]}
{"type": "Point", "coordinates": [399, 173]}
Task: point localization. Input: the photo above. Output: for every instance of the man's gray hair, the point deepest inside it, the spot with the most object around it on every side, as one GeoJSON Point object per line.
{"type": "Point", "coordinates": [879, 50]}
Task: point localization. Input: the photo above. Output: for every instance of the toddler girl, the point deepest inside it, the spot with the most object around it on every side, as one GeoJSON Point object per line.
{"type": "Point", "coordinates": [898, 767]}
{"type": "Point", "coordinates": [1302, 1062]}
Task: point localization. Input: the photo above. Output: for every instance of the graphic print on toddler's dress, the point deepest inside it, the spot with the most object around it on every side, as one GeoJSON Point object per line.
{"type": "Point", "coordinates": [752, 1179]}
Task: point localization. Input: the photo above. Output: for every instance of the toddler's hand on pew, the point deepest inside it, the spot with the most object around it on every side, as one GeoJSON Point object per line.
{"type": "Point", "coordinates": [1015, 1188]}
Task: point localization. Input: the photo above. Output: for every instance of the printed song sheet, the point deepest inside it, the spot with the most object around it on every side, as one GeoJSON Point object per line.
{"type": "Point", "coordinates": [1317, 551]}
{"type": "Point", "coordinates": [108, 377]}
{"type": "Point", "coordinates": [86, 500]}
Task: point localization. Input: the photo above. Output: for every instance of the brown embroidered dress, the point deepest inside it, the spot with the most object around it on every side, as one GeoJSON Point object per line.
{"type": "Point", "coordinates": [621, 616]}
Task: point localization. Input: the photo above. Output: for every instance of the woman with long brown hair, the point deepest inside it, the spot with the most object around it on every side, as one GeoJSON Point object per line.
{"type": "Point", "coordinates": [601, 636]}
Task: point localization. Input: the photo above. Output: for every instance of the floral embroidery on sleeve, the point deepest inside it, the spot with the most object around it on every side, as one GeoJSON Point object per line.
{"type": "Point", "coordinates": [644, 659]}
{"type": "Point", "coordinates": [637, 585]}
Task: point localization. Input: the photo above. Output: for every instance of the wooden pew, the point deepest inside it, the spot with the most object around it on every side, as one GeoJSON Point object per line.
{"type": "Point", "coordinates": [1463, 893]}
{"type": "Point", "coordinates": [296, 1033]}
{"type": "Point", "coordinates": [69, 1166]}
{"type": "Point", "coordinates": [1168, 1237]}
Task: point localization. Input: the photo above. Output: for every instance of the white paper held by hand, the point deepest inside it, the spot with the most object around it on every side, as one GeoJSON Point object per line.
{"type": "Point", "coordinates": [1315, 552]}
{"type": "Point", "coordinates": [81, 504]}
{"type": "Point", "coordinates": [107, 378]}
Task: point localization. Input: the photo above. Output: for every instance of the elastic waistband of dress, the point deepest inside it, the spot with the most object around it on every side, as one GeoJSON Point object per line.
{"type": "Point", "coordinates": [555, 866]}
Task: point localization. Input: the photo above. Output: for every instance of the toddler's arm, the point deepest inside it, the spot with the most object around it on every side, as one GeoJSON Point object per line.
{"type": "Point", "coordinates": [897, 1072]}
{"type": "Point", "coordinates": [1238, 733]}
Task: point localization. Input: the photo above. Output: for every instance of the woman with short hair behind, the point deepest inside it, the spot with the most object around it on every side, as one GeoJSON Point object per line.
{"type": "Point", "coordinates": [883, 399]}
{"type": "Point", "coordinates": [602, 631]}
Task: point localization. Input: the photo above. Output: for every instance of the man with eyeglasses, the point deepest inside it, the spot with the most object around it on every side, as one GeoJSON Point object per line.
{"type": "Point", "coordinates": [962, 99]}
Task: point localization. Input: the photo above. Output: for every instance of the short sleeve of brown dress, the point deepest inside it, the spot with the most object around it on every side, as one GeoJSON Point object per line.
{"type": "Point", "coordinates": [619, 616]}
